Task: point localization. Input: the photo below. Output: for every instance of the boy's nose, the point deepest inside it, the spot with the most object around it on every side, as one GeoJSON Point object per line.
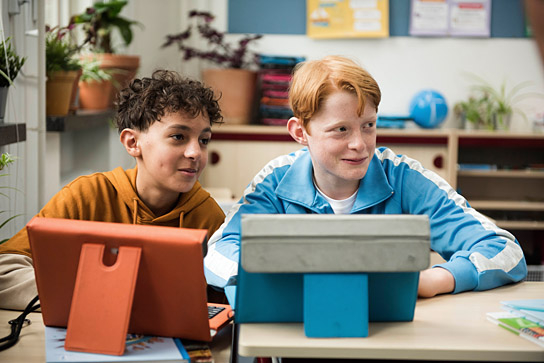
{"type": "Point", "coordinates": [357, 141]}
{"type": "Point", "coordinates": [192, 151]}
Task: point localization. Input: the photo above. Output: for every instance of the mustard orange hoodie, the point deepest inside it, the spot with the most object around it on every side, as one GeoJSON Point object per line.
{"type": "Point", "coordinates": [111, 197]}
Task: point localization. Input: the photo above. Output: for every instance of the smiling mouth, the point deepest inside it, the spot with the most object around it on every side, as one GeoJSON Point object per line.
{"type": "Point", "coordinates": [188, 170]}
{"type": "Point", "coordinates": [358, 160]}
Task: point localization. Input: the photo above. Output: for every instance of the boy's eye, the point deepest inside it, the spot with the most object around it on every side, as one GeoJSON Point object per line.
{"type": "Point", "coordinates": [205, 141]}
{"type": "Point", "coordinates": [342, 129]}
{"type": "Point", "coordinates": [177, 137]}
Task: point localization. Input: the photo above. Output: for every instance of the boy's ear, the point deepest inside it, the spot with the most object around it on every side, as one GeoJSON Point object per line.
{"type": "Point", "coordinates": [296, 130]}
{"type": "Point", "coordinates": [129, 139]}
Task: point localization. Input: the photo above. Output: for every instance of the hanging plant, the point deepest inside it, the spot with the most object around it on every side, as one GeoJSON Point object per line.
{"type": "Point", "coordinates": [10, 63]}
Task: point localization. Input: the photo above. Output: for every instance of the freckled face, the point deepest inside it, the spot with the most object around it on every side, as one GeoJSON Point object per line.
{"type": "Point", "coordinates": [173, 154]}
{"type": "Point", "coordinates": [341, 143]}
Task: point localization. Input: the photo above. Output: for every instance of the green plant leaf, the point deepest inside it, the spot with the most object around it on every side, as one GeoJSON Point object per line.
{"type": "Point", "coordinates": [112, 8]}
{"type": "Point", "coordinates": [9, 219]}
{"type": "Point", "coordinates": [98, 22]}
{"type": "Point", "coordinates": [124, 29]}
{"type": "Point", "coordinates": [6, 77]}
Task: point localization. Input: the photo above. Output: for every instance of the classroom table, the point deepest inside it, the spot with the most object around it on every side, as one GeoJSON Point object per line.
{"type": "Point", "coordinates": [31, 349]}
{"type": "Point", "coordinates": [446, 327]}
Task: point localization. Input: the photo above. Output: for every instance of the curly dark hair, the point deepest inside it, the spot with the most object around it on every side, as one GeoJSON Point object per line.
{"type": "Point", "coordinates": [146, 100]}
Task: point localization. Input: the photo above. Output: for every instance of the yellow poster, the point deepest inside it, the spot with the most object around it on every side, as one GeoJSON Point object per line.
{"type": "Point", "coordinates": [347, 18]}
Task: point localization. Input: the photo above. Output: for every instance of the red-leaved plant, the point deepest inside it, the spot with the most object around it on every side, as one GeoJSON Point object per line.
{"type": "Point", "coordinates": [220, 52]}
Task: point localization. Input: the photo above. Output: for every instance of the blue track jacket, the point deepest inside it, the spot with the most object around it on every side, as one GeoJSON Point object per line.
{"type": "Point", "coordinates": [480, 255]}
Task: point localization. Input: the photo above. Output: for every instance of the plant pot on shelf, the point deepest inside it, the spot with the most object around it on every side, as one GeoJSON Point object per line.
{"type": "Point", "coordinates": [58, 89]}
{"type": "Point", "coordinates": [95, 95]}
{"type": "Point", "coordinates": [123, 68]}
{"type": "Point", "coordinates": [236, 89]}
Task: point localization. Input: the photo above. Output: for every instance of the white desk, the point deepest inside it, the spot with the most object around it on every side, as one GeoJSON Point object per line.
{"type": "Point", "coordinates": [446, 327]}
{"type": "Point", "coordinates": [31, 346]}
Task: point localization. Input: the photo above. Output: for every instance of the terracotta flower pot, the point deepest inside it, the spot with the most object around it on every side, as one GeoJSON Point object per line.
{"type": "Point", "coordinates": [58, 89]}
{"type": "Point", "coordinates": [123, 67]}
{"type": "Point", "coordinates": [236, 87]}
{"type": "Point", "coordinates": [95, 95]}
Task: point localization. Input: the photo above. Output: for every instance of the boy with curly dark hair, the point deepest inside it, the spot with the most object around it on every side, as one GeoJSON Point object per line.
{"type": "Point", "coordinates": [165, 124]}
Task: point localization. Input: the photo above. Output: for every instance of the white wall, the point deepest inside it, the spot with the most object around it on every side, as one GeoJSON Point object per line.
{"type": "Point", "coordinates": [405, 65]}
{"type": "Point", "coordinates": [401, 65]}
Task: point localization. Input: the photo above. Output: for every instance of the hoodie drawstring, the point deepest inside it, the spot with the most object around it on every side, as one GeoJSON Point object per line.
{"type": "Point", "coordinates": [181, 220]}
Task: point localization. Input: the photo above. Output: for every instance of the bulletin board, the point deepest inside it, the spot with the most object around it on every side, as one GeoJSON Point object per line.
{"type": "Point", "coordinates": [347, 19]}
{"type": "Point", "coordinates": [289, 17]}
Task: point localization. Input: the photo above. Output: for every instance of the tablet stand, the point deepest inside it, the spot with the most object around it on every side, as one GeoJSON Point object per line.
{"type": "Point", "coordinates": [102, 301]}
{"type": "Point", "coordinates": [335, 305]}
{"type": "Point", "coordinates": [332, 262]}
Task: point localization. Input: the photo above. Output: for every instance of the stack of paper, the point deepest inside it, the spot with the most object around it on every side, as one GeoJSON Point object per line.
{"type": "Point", "coordinates": [522, 317]}
{"type": "Point", "coordinates": [532, 309]}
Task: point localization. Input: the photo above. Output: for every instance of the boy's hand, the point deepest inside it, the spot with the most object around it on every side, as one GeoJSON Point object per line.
{"type": "Point", "coordinates": [434, 281]}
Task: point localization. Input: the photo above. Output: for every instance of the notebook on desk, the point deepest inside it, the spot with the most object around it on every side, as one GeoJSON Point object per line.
{"type": "Point", "coordinates": [170, 289]}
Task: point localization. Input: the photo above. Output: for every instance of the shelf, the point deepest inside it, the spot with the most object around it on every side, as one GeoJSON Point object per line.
{"type": "Point", "coordinates": [228, 132]}
{"type": "Point", "coordinates": [537, 174]}
{"type": "Point", "coordinates": [485, 139]}
{"type": "Point", "coordinates": [12, 133]}
{"type": "Point", "coordinates": [80, 121]}
{"type": "Point", "coordinates": [506, 205]}
{"type": "Point", "coordinates": [526, 225]}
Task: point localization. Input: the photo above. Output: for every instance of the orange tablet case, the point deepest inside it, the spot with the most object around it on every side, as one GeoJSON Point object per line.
{"type": "Point", "coordinates": [169, 288]}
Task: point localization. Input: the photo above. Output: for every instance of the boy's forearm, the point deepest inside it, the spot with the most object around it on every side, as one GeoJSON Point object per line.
{"type": "Point", "coordinates": [435, 281]}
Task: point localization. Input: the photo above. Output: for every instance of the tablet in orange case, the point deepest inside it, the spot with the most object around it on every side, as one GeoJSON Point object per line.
{"type": "Point", "coordinates": [170, 288]}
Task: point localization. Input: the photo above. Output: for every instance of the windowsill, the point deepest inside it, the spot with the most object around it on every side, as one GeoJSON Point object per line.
{"type": "Point", "coordinates": [80, 121]}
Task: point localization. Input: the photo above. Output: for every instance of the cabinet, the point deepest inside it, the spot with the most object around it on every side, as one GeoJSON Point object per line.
{"type": "Point", "coordinates": [501, 174]}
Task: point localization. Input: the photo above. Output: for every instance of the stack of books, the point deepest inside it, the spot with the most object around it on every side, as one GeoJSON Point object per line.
{"type": "Point", "coordinates": [522, 317]}
{"type": "Point", "coordinates": [274, 77]}
{"type": "Point", "coordinates": [139, 348]}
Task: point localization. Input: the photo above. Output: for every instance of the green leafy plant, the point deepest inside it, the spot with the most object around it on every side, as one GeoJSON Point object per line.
{"type": "Point", "coordinates": [5, 160]}
{"type": "Point", "coordinates": [91, 71]}
{"type": "Point", "coordinates": [100, 20]}
{"type": "Point", "coordinates": [492, 108]}
{"type": "Point", "coordinates": [10, 63]}
{"type": "Point", "coordinates": [218, 51]}
{"type": "Point", "coordinates": [60, 53]}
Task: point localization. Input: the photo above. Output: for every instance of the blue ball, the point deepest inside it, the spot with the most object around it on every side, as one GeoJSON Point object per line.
{"type": "Point", "coordinates": [428, 108]}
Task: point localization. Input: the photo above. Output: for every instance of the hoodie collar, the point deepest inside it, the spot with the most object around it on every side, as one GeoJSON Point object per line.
{"type": "Point", "coordinates": [125, 185]}
{"type": "Point", "coordinates": [297, 186]}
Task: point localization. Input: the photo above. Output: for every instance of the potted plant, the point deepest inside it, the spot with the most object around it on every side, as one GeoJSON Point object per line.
{"type": "Point", "coordinates": [234, 81]}
{"type": "Point", "coordinates": [492, 109]}
{"type": "Point", "coordinates": [10, 65]}
{"type": "Point", "coordinates": [5, 160]}
{"type": "Point", "coordinates": [99, 21]}
{"type": "Point", "coordinates": [62, 70]}
{"type": "Point", "coordinates": [95, 85]}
